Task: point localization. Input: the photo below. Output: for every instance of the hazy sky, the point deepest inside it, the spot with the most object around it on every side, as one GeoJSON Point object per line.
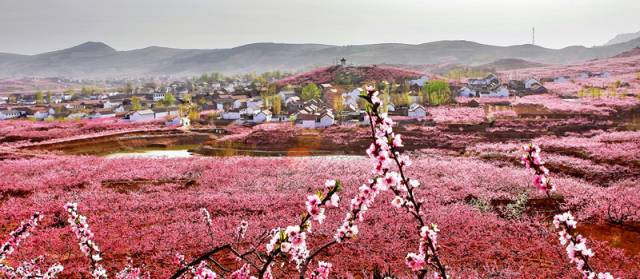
{"type": "Point", "coordinates": [33, 26]}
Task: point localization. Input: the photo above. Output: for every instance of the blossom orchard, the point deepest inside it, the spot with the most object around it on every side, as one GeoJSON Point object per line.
{"type": "Point", "coordinates": [575, 244]}
{"type": "Point", "coordinates": [279, 246]}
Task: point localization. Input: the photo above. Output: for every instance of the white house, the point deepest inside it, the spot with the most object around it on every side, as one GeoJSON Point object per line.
{"type": "Point", "coordinates": [142, 115]}
{"type": "Point", "coordinates": [417, 111]}
{"type": "Point", "coordinates": [119, 109]}
{"type": "Point", "coordinates": [164, 112]}
{"type": "Point", "coordinates": [530, 82]}
{"type": "Point", "coordinates": [178, 121]}
{"type": "Point", "coordinates": [254, 105]}
{"type": "Point", "coordinates": [497, 92]}
{"type": "Point", "coordinates": [230, 88]}
{"type": "Point", "coordinates": [76, 116]}
{"type": "Point", "coordinates": [419, 82]}
{"type": "Point", "coordinates": [232, 114]}
{"type": "Point", "coordinates": [285, 94]}
{"type": "Point", "coordinates": [102, 114]}
{"type": "Point", "coordinates": [158, 96]}
{"type": "Point", "coordinates": [391, 107]}
{"type": "Point", "coordinates": [261, 116]}
{"type": "Point", "coordinates": [306, 120]}
{"type": "Point", "coordinates": [466, 92]}
{"type": "Point", "coordinates": [326, 120]}
{"type": "Point", "coordinates": [9, 114]}
{"type": "Point", "coordinates": [110, 104]}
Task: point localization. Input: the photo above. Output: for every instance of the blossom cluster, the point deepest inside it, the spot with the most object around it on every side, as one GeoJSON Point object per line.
{"type": "Point", "coordinates": [385, 151]}
{"type": "Point", "coordinates": [575, 244]}
{"type": "Point", "coordinates": [16, 236]}
{"type": "Point", "coordinates": [291, 241]}
{"type": "Point", "coordinates": [81, 229]}
{"type": "Point", "coordinates": [245, 273]}
{"type": "Point", "coordinates": [131, 272]}
{"type": "Point", "coordinates": [202, 271]}
{"type": "Point", "coordinates": [532, 161]}
{"type": "Point", "coordinates": [31, 269]}
{"type": "Point", "coordinates": [322, 271]}
{"type": "Point", "coordinates": [28, 269]}
{"type": "Point", "coordinates": [241, 230]}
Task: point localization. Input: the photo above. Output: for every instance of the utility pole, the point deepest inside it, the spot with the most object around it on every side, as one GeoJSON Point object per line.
{"type": "Point", "coordinates": [533, 36]}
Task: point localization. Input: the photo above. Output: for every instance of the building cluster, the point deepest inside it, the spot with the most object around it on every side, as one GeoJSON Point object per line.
{"type": "Point", "coordinates": [491, 86]}
{"type": "Point", "coordinates": [248, 101]}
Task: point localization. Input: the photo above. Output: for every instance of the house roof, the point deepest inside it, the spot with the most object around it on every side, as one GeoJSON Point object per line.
{"type": "Point", "coordinates": [157, 110]}
{"type": "Point", "coordinates": [306, 116]}
{"type": "Point", "coordinates": [265, 112]}
{"type": "Point", "coordinates": [414, 107]}
{"type": "Point", "coordinates": [144, 112]}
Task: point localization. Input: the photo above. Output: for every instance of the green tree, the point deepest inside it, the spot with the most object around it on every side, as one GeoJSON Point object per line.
{"type": "Point", "coordinates": [204, 78]}
{"type": "Point", "coordinates": [39, 97]}
{"type": "Point", "coordinates": [88, 90]}
{"type": "Point", "coordinates": [49, 97]}
{"type": "Point", "coordinates": [217, 77]}
{"type": "Point", "coordinates": [169, 100]}
{"type": "Point", "coordinates": [438, 92]}
{"type": "Point", "coordinates": [135, 103]}
{"type": "Point", "coordinates": [310, 91]}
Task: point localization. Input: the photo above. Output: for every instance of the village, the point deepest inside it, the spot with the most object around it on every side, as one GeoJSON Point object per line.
{"type": "Point", "coordinates": [252, 99]}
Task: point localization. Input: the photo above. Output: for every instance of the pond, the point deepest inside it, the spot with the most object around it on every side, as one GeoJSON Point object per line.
{"type": "Point", "coordinates": [150, 153]}
{"type": "Point", "coordinates": [188, 151]}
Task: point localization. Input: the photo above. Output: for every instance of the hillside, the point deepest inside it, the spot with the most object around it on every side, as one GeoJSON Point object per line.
{"type": "Point", "coordinates": [629, 53]}
{"type": "Point", "coordinates": [622, 38]}
{"type": "Point", "coordinates": [351, 74]}
{"type": "Point", "coordinates": [98, 60]}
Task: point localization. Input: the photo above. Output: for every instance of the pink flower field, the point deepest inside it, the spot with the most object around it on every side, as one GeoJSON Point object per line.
{"type": "Point", "coordinates": [150, 222]}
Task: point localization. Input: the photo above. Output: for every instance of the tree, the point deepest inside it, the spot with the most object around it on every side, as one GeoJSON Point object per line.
{"type": "Point", "coordinates": [128, 88]}
{"type": "Point", "coordinates": [135, 103]}
{"type": "Point", "coordinates": [49, 97]}
{"type": "Point", "coordinates": [194, 115]}
{"type": "Point", "coordinates": [88, 90]}
{"type": "Point", "coordinates": [169, 100]}
{"type": "Point", "coordinates": [217, 77]}
{"type": "Point", "coordinates": [438, 92]}
{"type": "Point", "coordinates": [386, 99]}
{"type": "Point", "coordinates": [310, 91]}
{"type": "Point", "coordinates": [39, 97]}
{"type": "Point", "coordinates": [277, 104]}
{"type": "Point", "coordinates": [338, 105]}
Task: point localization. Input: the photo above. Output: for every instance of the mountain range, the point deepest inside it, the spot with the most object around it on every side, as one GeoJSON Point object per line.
{"type": "Point", "coordinates": [97, 60]}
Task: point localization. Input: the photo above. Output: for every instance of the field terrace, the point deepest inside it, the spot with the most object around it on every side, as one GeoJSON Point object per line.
{"type": "Point", "coordinates": [151, 211]}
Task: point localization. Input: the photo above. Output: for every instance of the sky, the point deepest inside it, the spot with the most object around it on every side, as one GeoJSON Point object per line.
{"type": "Point", "coordinates": [36, 26]}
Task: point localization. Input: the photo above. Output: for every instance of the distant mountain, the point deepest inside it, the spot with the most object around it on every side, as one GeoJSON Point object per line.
{"type": "Point", "coordinates": [98, 60]}
{"type": "Point", "coordinates": [623, 38]}
{"type": "Point", "coordinates": [510, 64]}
